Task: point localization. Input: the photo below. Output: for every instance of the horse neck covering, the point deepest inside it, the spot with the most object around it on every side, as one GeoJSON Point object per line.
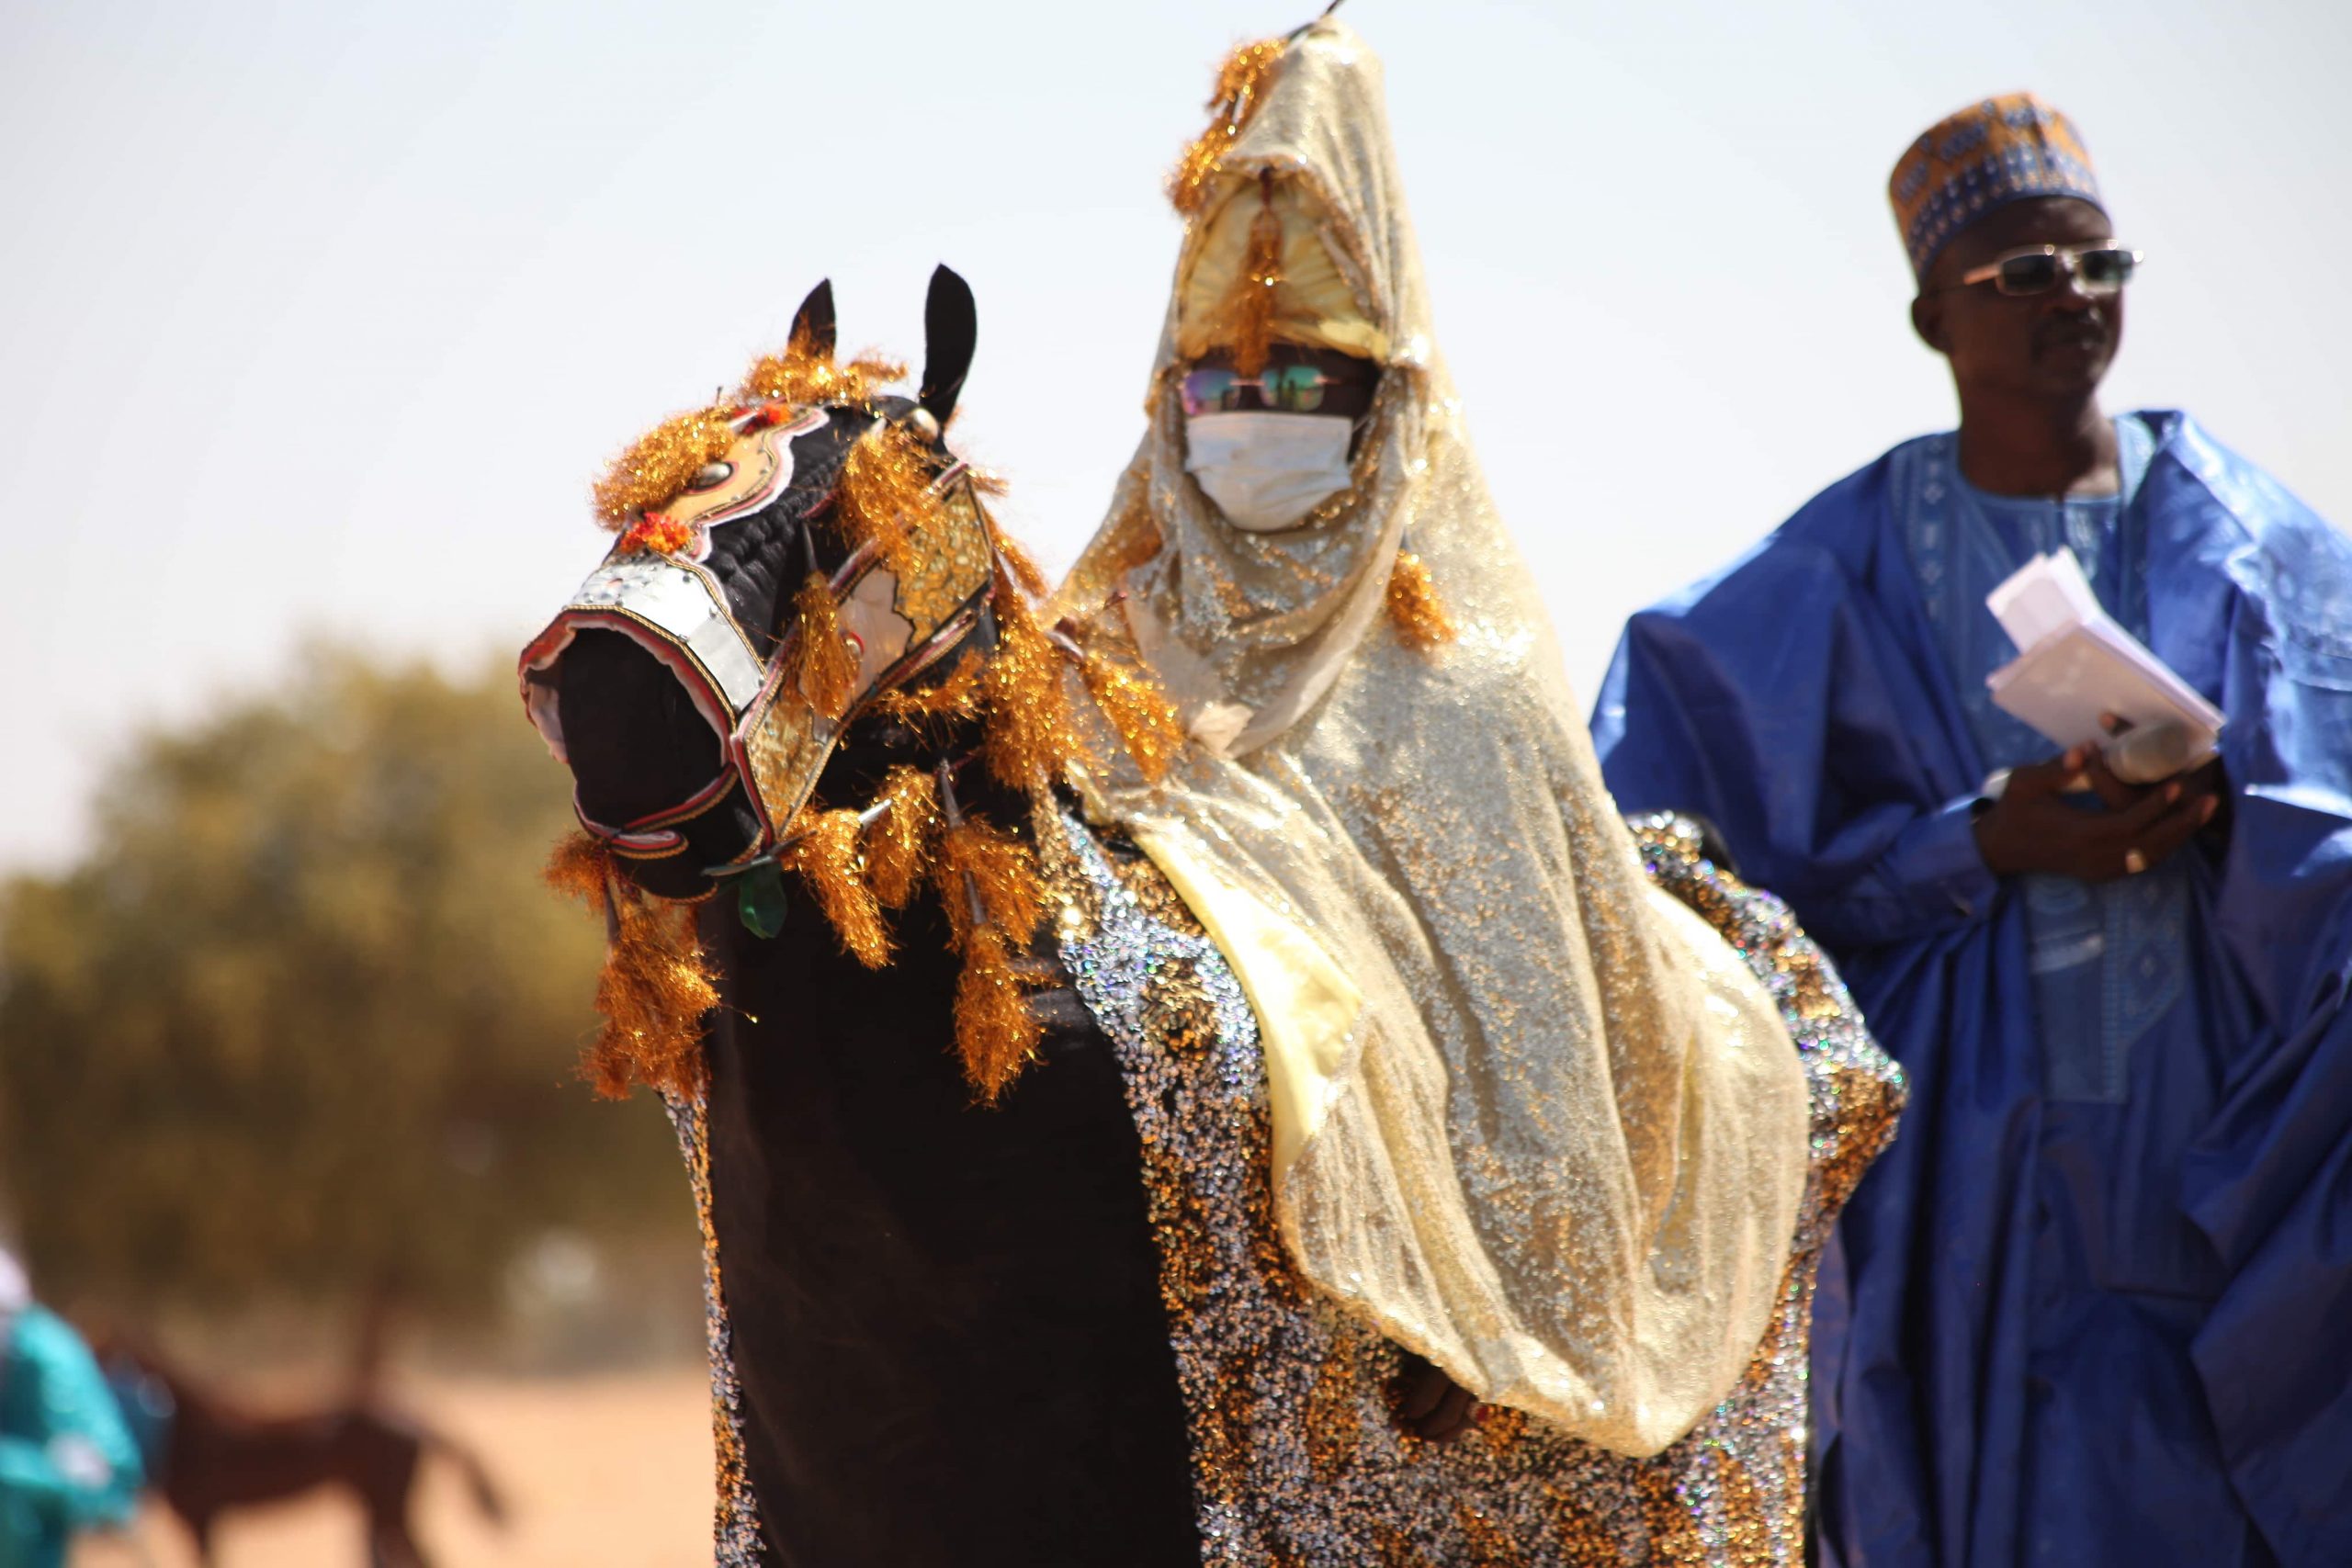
{"type": "Point", "coordinates": [1530, 1120]}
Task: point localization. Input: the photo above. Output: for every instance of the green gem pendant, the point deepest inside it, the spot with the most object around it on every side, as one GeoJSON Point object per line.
{"type": "Point", "coordinates": [760, 899]}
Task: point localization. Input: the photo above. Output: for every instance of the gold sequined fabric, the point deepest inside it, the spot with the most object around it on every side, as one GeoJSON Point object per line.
{"type": "Point", "coordinates": [1296, 1459]}
{"type": "Point", "coordinates": [1560, 1150]}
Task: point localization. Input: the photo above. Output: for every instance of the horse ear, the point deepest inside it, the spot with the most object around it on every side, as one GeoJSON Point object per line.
{"type": "Point", "coordinates": [812, 325]}
{"type": "Point", "coordinates": [951, 325]}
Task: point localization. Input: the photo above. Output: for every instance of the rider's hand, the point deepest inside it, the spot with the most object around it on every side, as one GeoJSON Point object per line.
{"type": "Point", "coordinates": [1431, 1404]}
{"type": "Point", "coordinates": [2033, 828]}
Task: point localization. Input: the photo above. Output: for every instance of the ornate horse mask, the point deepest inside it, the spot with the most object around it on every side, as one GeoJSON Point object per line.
{"type": "Point", "coordinates": [699, 680]}
{"type": "Point", "coordinates": [790, 562]}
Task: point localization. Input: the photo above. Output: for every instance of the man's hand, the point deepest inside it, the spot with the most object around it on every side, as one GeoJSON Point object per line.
{"type": "Point", "coordinates": [1431, 1404]}
{"type": "Point", "coordinates": [2033, 828]}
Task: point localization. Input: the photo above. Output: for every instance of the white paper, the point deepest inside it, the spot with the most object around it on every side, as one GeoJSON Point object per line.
{"type": "Point", "coordinates": [2079, 665]}
{"type": "Point", "coordinates": [2044, 597]}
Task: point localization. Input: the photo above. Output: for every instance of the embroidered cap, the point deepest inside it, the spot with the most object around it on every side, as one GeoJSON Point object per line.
{"type": "Point", "coordinates": [1989, 154]}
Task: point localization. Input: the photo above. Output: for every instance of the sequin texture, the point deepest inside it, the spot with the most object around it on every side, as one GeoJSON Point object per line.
{"type": "Point", "coordinates": [735, 1517]}
{"type": "Point", "coordinates": [1296, 1459]}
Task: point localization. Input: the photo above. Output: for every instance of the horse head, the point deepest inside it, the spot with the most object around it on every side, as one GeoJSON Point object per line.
{"type": "Point", "coordinates": [808, 628]}
{"type": "Point", "coordinates": [787, 559]}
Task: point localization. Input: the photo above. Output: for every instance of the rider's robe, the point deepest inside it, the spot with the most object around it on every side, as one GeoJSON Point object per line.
{"type": "Point", "coordinates": [2091, 1286]}
{"type": "Point", "coordinates": [1523, 1124]}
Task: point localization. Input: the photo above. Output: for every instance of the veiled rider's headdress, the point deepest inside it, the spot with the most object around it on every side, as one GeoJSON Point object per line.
{"type": "Point", "coordinates": [1530, 1118]}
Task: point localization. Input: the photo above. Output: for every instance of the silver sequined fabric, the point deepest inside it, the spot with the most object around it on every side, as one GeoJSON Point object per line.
{"type": "Point", "coordinates": [1296, 1459]}
{"type": "Point", "coordinates": [735, 1515]}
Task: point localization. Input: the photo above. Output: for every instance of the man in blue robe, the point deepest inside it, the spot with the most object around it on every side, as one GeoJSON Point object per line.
{"type": "Point", "coordinates": [2099, 1296]}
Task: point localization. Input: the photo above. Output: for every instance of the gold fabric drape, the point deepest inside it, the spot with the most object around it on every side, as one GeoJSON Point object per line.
{"type": "Point", "coordinates": [1532, 1119]}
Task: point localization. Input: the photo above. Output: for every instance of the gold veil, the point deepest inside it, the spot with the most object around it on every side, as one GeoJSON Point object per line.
{"type": "Point", "coordinates": [1532, 1119]}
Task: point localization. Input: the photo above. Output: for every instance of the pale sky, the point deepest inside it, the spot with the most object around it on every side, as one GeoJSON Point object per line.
{"type": "Point", "coordinates": [320, 318]}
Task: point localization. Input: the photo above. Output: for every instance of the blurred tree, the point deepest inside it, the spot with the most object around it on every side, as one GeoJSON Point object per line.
{"type": "Point", "coordinates": [303, 1020]}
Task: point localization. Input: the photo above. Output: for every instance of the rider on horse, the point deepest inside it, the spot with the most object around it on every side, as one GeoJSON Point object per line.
{"type": "Point", "coordinates": [1094, 1091]}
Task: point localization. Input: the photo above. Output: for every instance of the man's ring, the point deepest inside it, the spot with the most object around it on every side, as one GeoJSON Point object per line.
{"type": "Point", "coordinates": [2134, 862]}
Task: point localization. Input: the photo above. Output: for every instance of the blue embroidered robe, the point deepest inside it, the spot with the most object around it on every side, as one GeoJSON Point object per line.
{"type": "Point", "coordinates": [2093, 1302]}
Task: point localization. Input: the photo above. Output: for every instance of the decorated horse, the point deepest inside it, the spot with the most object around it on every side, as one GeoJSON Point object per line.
{"type": "Point", "coordinates": [976, 1115]}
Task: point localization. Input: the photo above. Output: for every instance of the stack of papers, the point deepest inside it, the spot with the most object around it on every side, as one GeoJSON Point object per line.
{"type": "Point", "coordinates": [2078, 664]}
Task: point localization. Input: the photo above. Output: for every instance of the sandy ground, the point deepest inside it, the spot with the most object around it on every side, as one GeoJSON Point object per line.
{"type": "Point", "coordinates": [610, 1471]}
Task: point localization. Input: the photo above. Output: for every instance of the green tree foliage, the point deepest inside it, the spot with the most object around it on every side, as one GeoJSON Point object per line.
{"type": "Point", "coordinates": [304, 1021]}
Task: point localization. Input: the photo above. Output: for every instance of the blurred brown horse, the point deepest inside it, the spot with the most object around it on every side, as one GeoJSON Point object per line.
{"type": "Point", "coordinates": [209, 1455]}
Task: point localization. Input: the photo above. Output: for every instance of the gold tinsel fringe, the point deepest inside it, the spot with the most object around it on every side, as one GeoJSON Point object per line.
{"type": "Point", "coordinates": [1149, 725]}
{"type": "Point", "coordinates": [581, 866]}
{"type": "Point", "coordinates": [804, 377]}
{"type": "Point", "coordinates": [1026, 570]}
{"type": "Point", "coordinates": [1249, 310]}
{"type": "Point", "coordinates": [957, 696]}
{"type": "Point", "coordinates": [995, 1032]}
{"type": "Point", "coordinates": [656, 982]}
{"type": "Point", "coordinates": [1241, 85]}
{"type": "Point", "coordinates": [999, 870]}
{"type": "Point", "coordinates": [828, 857]}
{"type": "Point", "coordinates": [1414, 606]}
{"type": "Point", "coordinates": [825, 670]}
{"type": "Point", "coordinates": [886, 495]}
{"type": "Point", "coordinates": [1028, 738]}
{"type": "Point", "coordinates": [898, 841]}
{"type": "Point", "coordinates": [663, 461]}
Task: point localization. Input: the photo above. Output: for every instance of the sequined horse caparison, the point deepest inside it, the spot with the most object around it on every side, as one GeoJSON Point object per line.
{"type": "Point", "coordinates": [1295, 1455]}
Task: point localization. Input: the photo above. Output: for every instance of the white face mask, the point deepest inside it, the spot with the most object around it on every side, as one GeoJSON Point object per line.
{"type": "Point", "coordinates": [1265, 470]}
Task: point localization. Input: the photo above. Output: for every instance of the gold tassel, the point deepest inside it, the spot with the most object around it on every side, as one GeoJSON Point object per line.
{"type": "Point", "coordinates": [957, 696]}
{"type": "Point", "coordinates": [1001, 875]}
{"type": "Point", "coordinates": [581, 866]}
{"type": "Point", "coordinates": [988, 886]}
{"type": "Point", "coordinates": [1414, 606]}
{"type": "Point", "coordinates": [897, 841]}
{"type": "Point", "coordinates": [1241, 85]}
{"type": "Point", "coordinates": [995, 1032]}
{"type": "Point", "coordinates": [1249, 310]}
{"type": "Point", "coordinates": [825, 670]}
{"type": "Point", "coordinates": [1026, 570]}
{"type": "Point", "coordinates": [886, 495]}
{"type": "Point", "coordinates": [656, 982]}
{"type": "Point", "coordinates": [827, 857]}
{"type": "Point", "coordinates": [1147, 723]}
{"type": "Point", "coordinates": [1029, 736]}
{"type": "Point", "coordinates": [662, 463]}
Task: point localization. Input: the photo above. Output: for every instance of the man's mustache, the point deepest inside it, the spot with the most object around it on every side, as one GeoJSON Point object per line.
{"type": "Point", "coordinates": [2090, 329]}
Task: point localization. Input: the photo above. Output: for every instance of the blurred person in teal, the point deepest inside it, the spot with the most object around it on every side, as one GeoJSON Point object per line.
{"type": "Point", "coordinates": [67, 1463]}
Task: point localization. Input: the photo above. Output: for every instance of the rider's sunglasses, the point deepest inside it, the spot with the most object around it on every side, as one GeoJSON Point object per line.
{"type": "Point", "coordinates": [1290, 388]}
{"type": "Point", "coordinates": [2100, 269]}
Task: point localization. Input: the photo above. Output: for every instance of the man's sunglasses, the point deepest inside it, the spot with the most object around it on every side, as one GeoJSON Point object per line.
{"type": "Point", "coordinates": [2100, 269]}
{"type": "Point", "coordinates": [1289, 389]}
